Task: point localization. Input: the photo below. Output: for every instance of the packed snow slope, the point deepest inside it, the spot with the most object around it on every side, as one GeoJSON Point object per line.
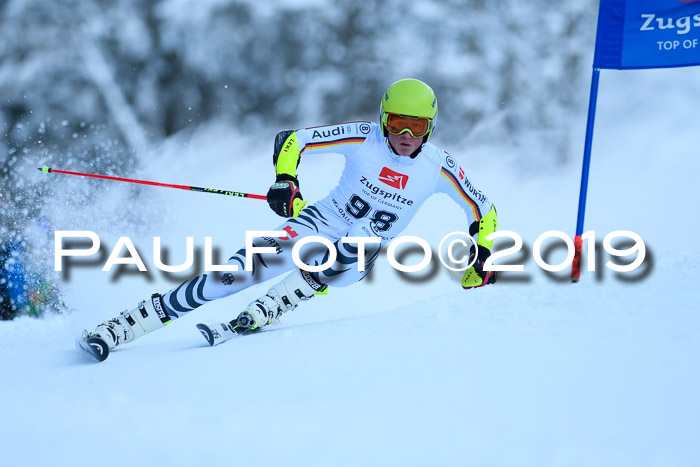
{"type": "Point", "coordinates": [401, 369]}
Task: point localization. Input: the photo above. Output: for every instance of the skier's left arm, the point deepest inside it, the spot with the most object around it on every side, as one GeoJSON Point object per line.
{"type": "Point", "coordinates": [481, 215]}
{"type": "Point", "coordinates": [346, 138]}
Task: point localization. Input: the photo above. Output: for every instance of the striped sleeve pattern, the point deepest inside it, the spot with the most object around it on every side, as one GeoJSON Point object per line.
{"type": "Point", "coordinates": [328, 146]}
{"type": "Point", "coordinates": [462, 193]}
{"type": "Point", "coordinates": [454, 182]}
{"type": "Point", "coordinates": [344, 138]}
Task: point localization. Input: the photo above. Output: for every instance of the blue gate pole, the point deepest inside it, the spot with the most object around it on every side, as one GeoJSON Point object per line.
{"type": "Point", "coordinates": [578, 241]}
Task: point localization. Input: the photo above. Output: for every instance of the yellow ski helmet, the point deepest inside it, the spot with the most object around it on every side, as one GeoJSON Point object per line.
{"type": "Point", "coordinates": [409, 98]}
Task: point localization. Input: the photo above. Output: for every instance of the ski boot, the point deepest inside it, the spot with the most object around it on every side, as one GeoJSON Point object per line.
{"type": "Point", "coordinates": [148, 316]}
{"type": "Point", "coordinates": [285, 296]}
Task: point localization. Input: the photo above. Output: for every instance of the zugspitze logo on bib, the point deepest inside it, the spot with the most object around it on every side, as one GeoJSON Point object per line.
{"type": "Point", "coordinates": [393, 179]}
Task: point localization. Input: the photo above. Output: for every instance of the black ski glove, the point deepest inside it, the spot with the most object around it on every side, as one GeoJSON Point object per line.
{"type": "Point", "coordinates": [282, 194]}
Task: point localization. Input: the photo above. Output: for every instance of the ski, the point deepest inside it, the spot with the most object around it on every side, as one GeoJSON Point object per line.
{"type": "Point", "coordinates": [218, 333]}
{"type": "Point", "coordinates": [93, 346]}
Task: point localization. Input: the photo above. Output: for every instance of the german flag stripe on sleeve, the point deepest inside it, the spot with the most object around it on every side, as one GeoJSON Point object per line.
{"type": "Point", "coordinates": [460, 189]}
{"type": "Point", "coordinates": [330, 144]}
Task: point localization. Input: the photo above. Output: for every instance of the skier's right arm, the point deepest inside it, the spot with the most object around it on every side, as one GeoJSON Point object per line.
{"type": "Point", "coordinates": [481, 215]}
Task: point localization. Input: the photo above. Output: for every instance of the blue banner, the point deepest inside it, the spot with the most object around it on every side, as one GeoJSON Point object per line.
{"type": "Point", "coordinates": [647, 34]}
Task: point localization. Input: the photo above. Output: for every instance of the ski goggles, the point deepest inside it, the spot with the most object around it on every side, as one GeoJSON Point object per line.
{"type": "Point", "coordinates": [417, 126]}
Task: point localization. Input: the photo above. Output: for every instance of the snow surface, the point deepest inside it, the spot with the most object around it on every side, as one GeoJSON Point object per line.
{"type": "Point", "coordinates": [399, 369]}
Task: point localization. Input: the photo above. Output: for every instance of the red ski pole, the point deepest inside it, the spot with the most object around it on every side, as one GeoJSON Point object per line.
{"type": "Point", "coordinates": [47, 170]}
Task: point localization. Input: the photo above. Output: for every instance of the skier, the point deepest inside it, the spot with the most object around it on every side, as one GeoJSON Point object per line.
{"type": "Point", "coordinates": [390, 170]}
